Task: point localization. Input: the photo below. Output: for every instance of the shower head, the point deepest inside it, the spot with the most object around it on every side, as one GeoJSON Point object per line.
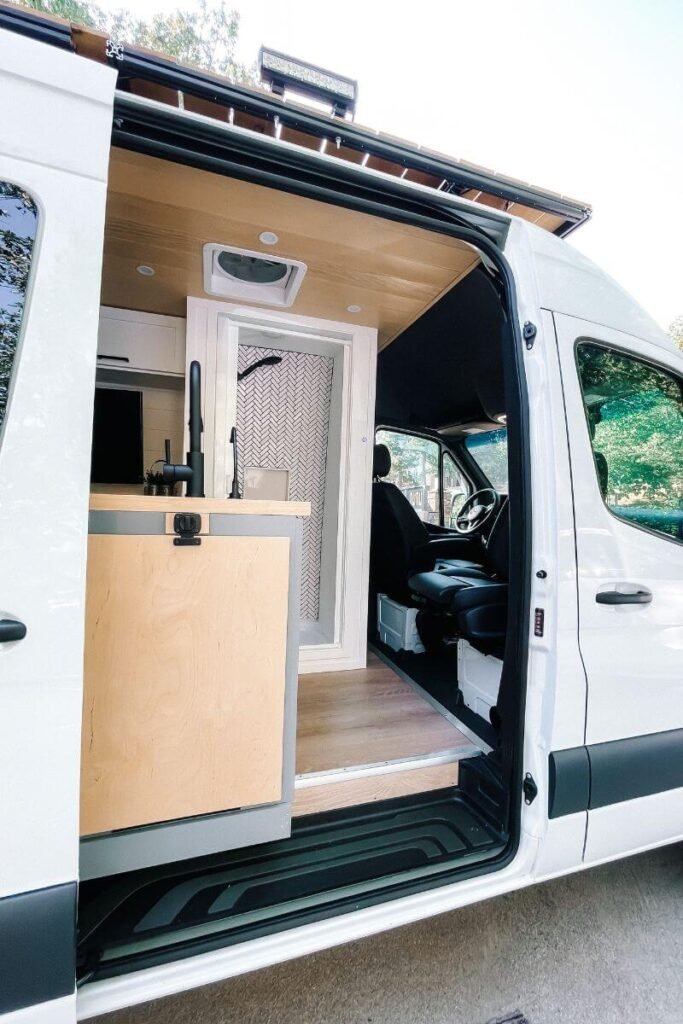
{"type": "Point", "coordinates": [266, 361]}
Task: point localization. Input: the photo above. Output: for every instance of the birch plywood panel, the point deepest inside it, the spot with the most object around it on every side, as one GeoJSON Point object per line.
{"type": "Point", "coordinates": [184, 677]}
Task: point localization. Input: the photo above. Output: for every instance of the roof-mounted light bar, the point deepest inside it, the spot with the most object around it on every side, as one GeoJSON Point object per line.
{"type": "Point", "coordinates": [281, 72]}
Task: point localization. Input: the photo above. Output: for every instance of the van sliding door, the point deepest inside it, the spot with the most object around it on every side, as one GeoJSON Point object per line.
{"type": "Point", "coordinates": [624, 408]}
{"type": "Point", "coordinates": [55, 124]}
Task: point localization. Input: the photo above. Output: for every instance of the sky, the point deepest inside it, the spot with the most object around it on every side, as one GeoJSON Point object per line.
{"type": "Point", "coordinates": [583, 97]}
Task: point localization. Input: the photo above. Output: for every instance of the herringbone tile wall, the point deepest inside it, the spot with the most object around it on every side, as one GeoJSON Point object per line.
{"type": "Point", "coordinates": [283, 419]}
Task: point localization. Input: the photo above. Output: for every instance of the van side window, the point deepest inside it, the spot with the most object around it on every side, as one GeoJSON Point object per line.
{"type": "Point", "coordinates": [415, 471]}
{"type": "Point", "coordinates": [635, 420]}
{"type": "Point", "coordinates": [18, 221]}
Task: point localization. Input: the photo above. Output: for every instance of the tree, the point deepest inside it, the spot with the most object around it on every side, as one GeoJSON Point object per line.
{"type": "Point", "coordinates": [205, 36]}
{"type": "Point", "coordinates": [635, 415]}
{"type": "Point", "coordinates": [676, 330]}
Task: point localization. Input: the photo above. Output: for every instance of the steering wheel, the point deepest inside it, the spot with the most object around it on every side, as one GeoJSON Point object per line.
{"type": "Point", "coordinates": [477, 510]}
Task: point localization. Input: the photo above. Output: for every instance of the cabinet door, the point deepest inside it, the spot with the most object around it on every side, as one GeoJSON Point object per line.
{"type": "Point", "coordinates": [184, 678]}
{"type": "Point", "coordinates": [141, 341]}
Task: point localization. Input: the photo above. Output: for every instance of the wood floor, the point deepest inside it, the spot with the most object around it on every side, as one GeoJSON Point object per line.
{"type": "Point", "coordinates": [367, 735]}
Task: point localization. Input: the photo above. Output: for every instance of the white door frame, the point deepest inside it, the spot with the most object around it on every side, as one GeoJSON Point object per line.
{"type": "Point", "coordinates": [212, 338]}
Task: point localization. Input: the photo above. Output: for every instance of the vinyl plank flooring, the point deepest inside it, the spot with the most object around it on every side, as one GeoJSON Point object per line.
{"type": "Point", "coordinates": [366, 716]}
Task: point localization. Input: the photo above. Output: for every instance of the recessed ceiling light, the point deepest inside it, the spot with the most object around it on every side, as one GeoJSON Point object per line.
{"type": "Point", "coordinates": [145, 270]}
{"type": "Point", "coordinates": [269, 238]}
{"type": "Point", "coordinates": [353, 309]}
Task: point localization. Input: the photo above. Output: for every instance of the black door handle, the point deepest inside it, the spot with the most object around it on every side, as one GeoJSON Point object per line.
{"type": "Point", "coordinates": [11, 629]}
{"type": "Point", "coordinates": [643, 596]}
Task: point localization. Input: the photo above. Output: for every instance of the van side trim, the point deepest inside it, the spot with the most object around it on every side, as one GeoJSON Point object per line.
{"type": "Point", "coordinates": [37, 946]}
{"type": "Point", "coordinates": [600, 774]}
{"type": "Point", "coordinates": [568, 781]}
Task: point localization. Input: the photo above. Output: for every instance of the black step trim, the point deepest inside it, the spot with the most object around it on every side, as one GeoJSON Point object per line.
{"type": "Point", "coordinates": [333, 862]}
{"type": "Point", "coordinates": [601, 774]}
{"type": "Point", "coordinates": [37, 946]}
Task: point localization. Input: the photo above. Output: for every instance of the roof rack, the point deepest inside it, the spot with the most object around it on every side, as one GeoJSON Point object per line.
{"type": "Point", "coordinates": [154, 76]}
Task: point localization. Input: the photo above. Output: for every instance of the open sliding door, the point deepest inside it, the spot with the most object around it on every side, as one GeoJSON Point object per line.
{"type": "Point", "coordinates": [56, 112]}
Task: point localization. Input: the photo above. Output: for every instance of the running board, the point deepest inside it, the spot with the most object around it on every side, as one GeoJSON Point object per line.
{"type": "Point", "coordinates": [333, 862]}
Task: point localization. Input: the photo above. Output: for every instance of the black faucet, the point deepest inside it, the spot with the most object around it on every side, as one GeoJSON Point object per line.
{"type": "Point", "coordinates": [191, 473]}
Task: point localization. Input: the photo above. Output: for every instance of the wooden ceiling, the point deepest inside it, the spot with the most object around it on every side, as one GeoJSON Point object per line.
{"type": "Point", "coordinates": [161, 214]}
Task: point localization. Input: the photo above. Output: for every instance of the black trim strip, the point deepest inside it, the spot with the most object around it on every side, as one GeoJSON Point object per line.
{"type": "Point", "coordinates": [37, 946]}
{"type": "Point", "coordinates": [602, 774]}
{"type": "Point", "coordinates": [25, 23]}
{"type": "Point", "coordinates": [569, 782]}
{"type": "Point", "coordinates": [163, 132]}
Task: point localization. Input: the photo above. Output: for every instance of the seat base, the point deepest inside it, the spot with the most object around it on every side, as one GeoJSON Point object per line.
{"type": "Point", "coordinates": [479, 606]}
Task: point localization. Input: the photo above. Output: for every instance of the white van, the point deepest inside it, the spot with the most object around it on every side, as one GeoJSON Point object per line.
{"type": "Point", "coordinates": [403, 630]}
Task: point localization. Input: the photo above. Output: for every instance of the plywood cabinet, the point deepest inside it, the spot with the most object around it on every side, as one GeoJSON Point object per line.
{"type": "Point", "coordinates": [185, 673]}
{"type": "Point", "coordinates": [131, 340]}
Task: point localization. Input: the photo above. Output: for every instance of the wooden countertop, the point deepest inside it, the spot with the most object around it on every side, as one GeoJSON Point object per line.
{"type": "Point", "coordinates": [224, 506]}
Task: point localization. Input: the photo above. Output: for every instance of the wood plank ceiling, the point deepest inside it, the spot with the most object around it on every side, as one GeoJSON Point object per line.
{"type": "Point", "coordinates": [161, 214]}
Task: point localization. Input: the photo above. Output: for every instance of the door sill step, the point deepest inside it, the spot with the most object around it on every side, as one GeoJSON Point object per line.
{"type": "Point", "coordinates": [333, 861]}
{"type": "Point", "coordinates": [365, 784]}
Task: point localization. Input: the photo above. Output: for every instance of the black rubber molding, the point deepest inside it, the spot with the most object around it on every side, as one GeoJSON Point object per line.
{"type": "Point", "coordinates": [601, 774]}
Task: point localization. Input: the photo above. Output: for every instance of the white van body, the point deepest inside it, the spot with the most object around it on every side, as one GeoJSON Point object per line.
{"type": "Point", "coordinates": [597, 674]}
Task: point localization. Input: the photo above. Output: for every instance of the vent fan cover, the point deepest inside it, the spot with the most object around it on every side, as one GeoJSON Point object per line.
{"type": "Point", "coordinates": [251, 276]}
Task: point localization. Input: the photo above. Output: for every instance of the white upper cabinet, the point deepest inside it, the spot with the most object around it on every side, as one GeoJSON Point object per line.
{"type": "Point", "coordinates": [130, 340]}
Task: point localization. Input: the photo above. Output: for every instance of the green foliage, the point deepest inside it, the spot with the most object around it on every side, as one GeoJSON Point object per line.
{"type": "Point", "coordinates": [80, 13]}
{"type": "Point", "coordinates": [414, 470]}
{"type": "Point", "coordinates": [635, 415]}
{"type": "Point", "coordinates": [490, 451]}
{"type": "Point", "coordinates": [204, 36]}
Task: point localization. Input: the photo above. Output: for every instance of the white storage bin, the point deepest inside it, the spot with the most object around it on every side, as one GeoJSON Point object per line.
{"type": "Point", "coordinates": [478, 679]}
{"type": "Point", "coordinates": [397, 627]}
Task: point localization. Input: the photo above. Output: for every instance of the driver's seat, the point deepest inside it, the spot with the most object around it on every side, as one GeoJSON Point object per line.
{"type": "Point", "coordinates": [401, 545]}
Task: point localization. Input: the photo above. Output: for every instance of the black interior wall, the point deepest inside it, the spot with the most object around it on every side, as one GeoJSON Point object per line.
{"type": "Point", "coordinates": [448, 366]}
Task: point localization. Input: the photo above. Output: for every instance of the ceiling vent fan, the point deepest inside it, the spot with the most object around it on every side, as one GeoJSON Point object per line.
{"type": "Point", "coordinates": [251, 276]}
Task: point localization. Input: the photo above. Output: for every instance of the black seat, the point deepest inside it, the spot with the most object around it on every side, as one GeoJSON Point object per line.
{"type": "Point", "coordinates": [478, 604]}
{"type": "Point", "coordinates": [401, 545]}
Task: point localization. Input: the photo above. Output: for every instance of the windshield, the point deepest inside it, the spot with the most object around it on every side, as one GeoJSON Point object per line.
{"type": "Point", "coordinates": [489, 449]}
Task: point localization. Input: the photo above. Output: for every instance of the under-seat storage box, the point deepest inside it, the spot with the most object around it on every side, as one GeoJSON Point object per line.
{"type": "Point", "coordinates": [478, 679]}
{"type": "Point", "coordinates": [397, 626]}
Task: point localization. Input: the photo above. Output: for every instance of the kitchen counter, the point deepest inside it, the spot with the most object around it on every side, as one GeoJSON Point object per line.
{"type": "Point", "coordinates": [223, 506]}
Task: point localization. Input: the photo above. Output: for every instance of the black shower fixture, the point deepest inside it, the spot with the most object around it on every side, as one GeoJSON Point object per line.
{"type": "Point", "coordinates": [266, 361]}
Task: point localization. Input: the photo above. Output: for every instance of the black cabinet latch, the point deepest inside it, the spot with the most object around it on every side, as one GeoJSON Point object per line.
{"type": "Point", "coordinates": [529, 788]}
{"type": "Point", "coordinates": [187, 525]}
{"type": "Point", "coordinates": [529, 333]}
